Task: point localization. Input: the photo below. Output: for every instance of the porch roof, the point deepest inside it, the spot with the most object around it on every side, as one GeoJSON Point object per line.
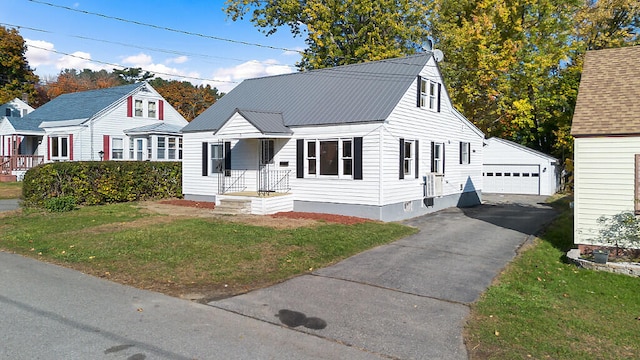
{"type": "Point", "coordinates": [25, 125]}
{"type": "Point", "coordinates": [267, 122]}
{"type": "Point", "coordinates": [158, 128]}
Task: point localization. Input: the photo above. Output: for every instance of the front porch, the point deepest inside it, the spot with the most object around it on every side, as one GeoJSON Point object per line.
{"type": "Point", "coordinates": [14, 167]}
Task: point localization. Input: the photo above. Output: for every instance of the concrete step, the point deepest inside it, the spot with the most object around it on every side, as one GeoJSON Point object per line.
{"type": "Point", "coordinates": [232, 206]}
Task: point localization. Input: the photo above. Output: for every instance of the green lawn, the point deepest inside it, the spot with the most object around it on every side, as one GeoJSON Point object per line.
{"type": "Point", "coordinates": [10, 190]}
{"type": "Point", "coordinates": [544, 308]}
{"type": "Point", "coordinates": [179, 255]}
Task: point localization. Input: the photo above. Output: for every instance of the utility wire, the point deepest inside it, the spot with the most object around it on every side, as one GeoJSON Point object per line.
{"type": "Point", "coordinates": [120, 66]}
{"type": "Point", "coordinates": [165, 28]}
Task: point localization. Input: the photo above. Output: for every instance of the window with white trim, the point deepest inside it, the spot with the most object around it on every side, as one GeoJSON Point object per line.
{"type": "Point", "coordinates": [117, 148]}
{"type": "Point", "coordinates": [216, 152]}
{"type": "Point", "coordinates": [151, 110]}
{"type": "Point", "coordinates": [131, 149]}
{"type": "Point", "coordinates": [138, 108]}
{"type": "Point", "coordinates": [171, 150]}
{"type": "Point", "coordinates": [438, 158]}
{"type": "Point", "coordinates": [465, 153]}
{"type": "Point", "coordinates": [59, 148]}
{"type": "Point", "coordinates": [429, 94]}
{"type": "Point", "coordinates": [407, 162]}
{"type": "Point", "coordinates": [331, 157]}
{"type": "Point", "coordinates": [160, 151]}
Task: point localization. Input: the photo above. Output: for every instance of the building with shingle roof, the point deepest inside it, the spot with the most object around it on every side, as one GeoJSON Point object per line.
{"type": "Point", "coordinates": [606, 128]}
{"type": "Point", "coordinates": [378, 139]}
{"type": "Point", "coordinates": [129, 122]}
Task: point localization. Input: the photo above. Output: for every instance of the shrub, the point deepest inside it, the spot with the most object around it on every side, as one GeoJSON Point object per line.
{"type": "Point", "coordinates": [60, 204]}
{"type": "Point", "coordinates": [621, 230]}
{"type": "Point", "coordinates": [101, 182]}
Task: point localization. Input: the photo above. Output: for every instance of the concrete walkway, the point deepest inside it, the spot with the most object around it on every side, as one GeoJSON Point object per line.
{"type": "Point", "coordinates": [406, 300]}
{"type": "Point", "coordinates": [9, 204]}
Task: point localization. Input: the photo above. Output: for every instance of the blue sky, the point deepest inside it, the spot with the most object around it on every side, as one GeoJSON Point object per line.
{"type": "Point", "coordinates": [52, 31]}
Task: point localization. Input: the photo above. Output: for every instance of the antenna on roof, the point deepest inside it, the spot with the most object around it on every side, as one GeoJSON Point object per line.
{"type": "Point", "coordinates": [438, 55]}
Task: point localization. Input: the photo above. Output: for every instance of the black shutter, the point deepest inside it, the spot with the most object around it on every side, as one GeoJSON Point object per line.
{"type": "Point", "coordinates": [205, 159]}
{"type": "Point", "coordinates": [357, 158]}
{"type": "Point", "coordinates": [433, 157]}
{"type": "Point", "coordinates": [401, 176]}
{"type": "Point", "coordinates": [417, 151]}
{"type": "Point", "coordinates": [419, 89]}
{"type": "Point", "coordinates": [227, 155]}
{"type": "Point", "coordinates": [439, 91]}
{"type": "Point", "coordinates": [300, 158]}
{"type": "Point", "coordinates": [461, 146]}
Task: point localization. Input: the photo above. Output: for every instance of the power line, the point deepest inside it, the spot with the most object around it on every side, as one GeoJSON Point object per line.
{"type": "Point", "coordinates": [166, 51]}
{"type": "Point", "coordinates": [118, 65]}
{"type": "Point", "coordinates": [165, 28]}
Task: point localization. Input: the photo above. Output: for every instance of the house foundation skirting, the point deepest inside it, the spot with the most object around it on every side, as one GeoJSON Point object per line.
{"type": "Point", "coordinates": [391, 212]}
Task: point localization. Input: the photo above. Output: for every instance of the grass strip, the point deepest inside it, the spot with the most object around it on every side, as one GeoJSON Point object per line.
{"type": "Point", "coordinates": [541, 307]}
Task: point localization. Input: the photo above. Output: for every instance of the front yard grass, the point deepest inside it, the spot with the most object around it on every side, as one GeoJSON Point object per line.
{"type": "Point", "coordinates": [541, 307]}
{"type": "Point", "coordinates": [180, 255]}
{"type": "Point", "coordinates": [10, 190]}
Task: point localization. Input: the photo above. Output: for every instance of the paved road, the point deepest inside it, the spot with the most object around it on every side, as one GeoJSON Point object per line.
{"type": "Point", "coordinates": [406, 300]}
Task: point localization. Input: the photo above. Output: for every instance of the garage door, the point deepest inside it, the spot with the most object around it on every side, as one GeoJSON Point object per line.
{"type": "Point", "coordinates": [511, 179]}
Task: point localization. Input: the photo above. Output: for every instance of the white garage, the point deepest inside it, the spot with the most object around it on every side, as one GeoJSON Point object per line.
{"type": "Point", "coordinates": [510, 168]}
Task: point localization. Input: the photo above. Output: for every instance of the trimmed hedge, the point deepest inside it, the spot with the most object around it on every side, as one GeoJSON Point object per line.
{"type": "Point", "coordinates": [101, 182]}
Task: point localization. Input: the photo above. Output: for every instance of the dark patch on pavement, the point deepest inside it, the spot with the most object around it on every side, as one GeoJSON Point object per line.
{"type": "Point", "coordinates": [295, 318]}
{"type": "Point", "coordinates": [114, 349]}
{"type": "Point", "coordinates": [137, 357]}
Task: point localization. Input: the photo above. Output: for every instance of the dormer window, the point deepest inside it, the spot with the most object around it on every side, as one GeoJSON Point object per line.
{"type": "Point", "coordinates": [152, 109]}
{"type": "Point", "coordinates": [138, 108]}
{"type": "Point", "coordinates": [428, 94]}
{"type": "Point", "coordinates": [7, 112]}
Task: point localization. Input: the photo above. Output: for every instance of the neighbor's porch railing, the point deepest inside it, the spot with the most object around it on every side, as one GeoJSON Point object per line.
{"type": "Point", "coordinates": [19, 162]}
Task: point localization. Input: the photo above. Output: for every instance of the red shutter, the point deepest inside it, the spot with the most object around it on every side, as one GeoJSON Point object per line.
{"type": "Point", "coordinates": [161, 110]}
{"type": "Point", "coordinates": [71, 147]}
{"type": "Point", "coordinates": [48, 148]}
{"type": "Point", "coordinates": [106, 140]}
{"type": "Point", "coordinates": [17, 149]}
{"type": "Point", "coordinates": [130, 106]}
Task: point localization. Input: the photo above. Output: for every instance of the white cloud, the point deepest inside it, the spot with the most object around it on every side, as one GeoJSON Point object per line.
{"type": "Point", "coordinates": [80, 60]}
{"type": "Point", "coordinates": [140, 60]}
{"type": "Point", "coordinates": [179, 60]}
{"type": "Point", "coordinates": [247, 70]}
{"type": "Point", "coordinates": [295, 52]}
{"type": "Point", "coordinates": [38, 52]}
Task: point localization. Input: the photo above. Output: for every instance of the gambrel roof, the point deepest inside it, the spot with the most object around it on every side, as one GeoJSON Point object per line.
{"type": "Point", "coordinates": [609, 95]}
{"type": "Point", "coordinates": [81, 105]}
{"type": "Point", "coordinates": [355, 93]}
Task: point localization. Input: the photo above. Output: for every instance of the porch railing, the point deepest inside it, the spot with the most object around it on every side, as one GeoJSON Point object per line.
{"type": "Point", "coordinates": [231, 181]}
{"type": "Point", "coordinates": [19, 162]}
{"type": "Point", "coordinates": [273, 181]}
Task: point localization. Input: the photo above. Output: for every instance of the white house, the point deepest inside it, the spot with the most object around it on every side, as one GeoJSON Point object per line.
{"type": "Point", "coordinates": [511, 168]}
{"type": "Point", "coordinates": [606, 128]}
{"type": "Point", "coordinates": [130, 122]}
{"type": "Point", "coordinates": [379, 140]}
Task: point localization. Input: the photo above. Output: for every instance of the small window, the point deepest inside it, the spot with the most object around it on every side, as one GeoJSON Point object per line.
{"type": "Point", "coordinates": [347, 157]}
{"type": "Point", "coordinates": [507, 174]}
{"type": "Point", "coordinates": [172, 148]}
{"type": "Point", "coordinates": [516, 174]}
{"type": "Point", "coordinates": [408, 157]}
{"type": "Point", "coordinates": [59, 148]}
{"type": "Point", "coordinates": [498, 174]}
{"type": "Point", "coordinates": [161, 147]}
{"type": "Point", "coordinates": [117, 148]}
{"type": "Point", "coordinates": [180, 148]}
{"type": "Point", "coordinates": [152, 109]}
{"type": "Point", "coordinates": [465, 153]}
{"type": "Point", "coordinates": [525, 174]}
{"type": "Point", "coordinates": [428, 94]}
{"type": "Point", "coordinates": [131, 149]}
{"type": "Point", "coordinates": [437, 157]}
{"type": "Point", "coordinates": [7, 112]}
{"type": "Point", "coordinates": [24, 112]}
{"type": "Point", "coordinates": [535, 175]}
{"type": "Point", "coordinates": [138, 107]}
{"type": "Point", "coordinates": [311, 157]}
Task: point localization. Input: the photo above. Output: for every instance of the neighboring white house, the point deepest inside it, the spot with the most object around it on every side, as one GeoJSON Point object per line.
{"type": "Point", "coordinates": [379, 140]}
{"type": "Point", "coordinates": [606, 128]}
{"type": "Point", "coordinates": [511, 168]}
{"type": "Point", "coordinates": [130, 122]}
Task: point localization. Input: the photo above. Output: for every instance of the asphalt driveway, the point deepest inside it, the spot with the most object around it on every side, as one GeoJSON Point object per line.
{"type": "Point", "coordinates": [406, 300]}
{"type": "Point", "coordinates": [409, 299]}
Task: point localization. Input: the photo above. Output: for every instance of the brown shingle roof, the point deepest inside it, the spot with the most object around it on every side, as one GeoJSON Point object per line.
{"type": "Point", "coordinates": [609, 95]}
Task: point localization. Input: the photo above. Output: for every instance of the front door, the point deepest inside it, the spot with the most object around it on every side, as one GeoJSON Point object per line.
{"type": "Point", "coordinates": [266, 152]}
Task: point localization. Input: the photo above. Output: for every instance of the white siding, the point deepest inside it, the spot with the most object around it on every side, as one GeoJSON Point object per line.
{"type": "Point", "coordinates": [604, 181]}
{"type": "Point", "coordinates": [412, 123]}
{"type": "Point", "coordinates": [238, 127]}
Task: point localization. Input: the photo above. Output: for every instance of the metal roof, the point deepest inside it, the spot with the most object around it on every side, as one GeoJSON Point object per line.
{"type": "Point", "coordinates": [266, 122]}
{"type": "Point", "coordinates": [159, 128]}
{"type": "Point", "coordinates": [355, 93]}
{"type": "Point", "coordinates": [80, 105]}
